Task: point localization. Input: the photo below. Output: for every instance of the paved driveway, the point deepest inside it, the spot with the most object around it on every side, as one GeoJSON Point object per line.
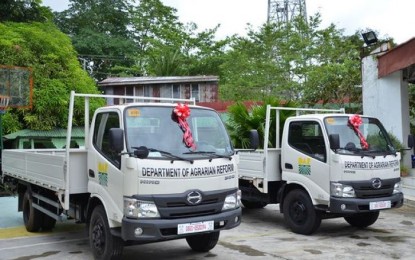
{"type": "Point", "coordinates": [262, 235]}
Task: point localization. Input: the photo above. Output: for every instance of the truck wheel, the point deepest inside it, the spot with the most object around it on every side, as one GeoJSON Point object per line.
{"type": "Point", "coordinates": [203, 242]}
{"type": "Point", "coordinates": [253, 204]}
{"type": "Point", "coordinates": [362, 220]}
{"type": "Point", "coordinates": [48, 223]}
{"type": "Point", "coordinates": [300, 214]}
{"type": "Point", "coordinates": [103, 244]}
{"type": "Point", "coordinates": [32, 218]}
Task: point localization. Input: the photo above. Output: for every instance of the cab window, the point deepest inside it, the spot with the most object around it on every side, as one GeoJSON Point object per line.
{"type": "Point", "coordinates": [103, 123]}
{"type": "Point", "coordinates": [307, 137]}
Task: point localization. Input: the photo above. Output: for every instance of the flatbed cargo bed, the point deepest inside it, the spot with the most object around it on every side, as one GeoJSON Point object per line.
{"type": "Point", "coordinates": [46, 168]}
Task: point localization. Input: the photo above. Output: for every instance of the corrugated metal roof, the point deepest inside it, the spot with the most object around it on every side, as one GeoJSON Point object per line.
{"type": "Point", "coordinates": [155, 80]}
{"type": "Point", "coordinates": [77, 132]}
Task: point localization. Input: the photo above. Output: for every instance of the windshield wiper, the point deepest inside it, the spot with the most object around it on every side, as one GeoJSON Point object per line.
{"type": "Point", "coordinates": [363, 154]}
{"type": "Point", "coordinates": [170, 155]}
{"type": "Point", "coordinates": [392, 150]}
{"type": "Point", "coordinates": [210, 153]}
{"type": "Point", "coordinates": [166, 154]}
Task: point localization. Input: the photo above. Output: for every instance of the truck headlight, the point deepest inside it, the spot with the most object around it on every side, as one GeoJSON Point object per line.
{"type": "Point", "coordinates": [341, 190]}
{"type": "Point", "coordinates": [232, 201]}
{"type": "Point", "coordinates": [397, 188]}
{"type": "Point", "coordinates": [140, 209]}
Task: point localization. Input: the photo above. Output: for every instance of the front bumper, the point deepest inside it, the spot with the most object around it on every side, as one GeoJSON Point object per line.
{"type": "Point", "coordinates": [355, 205]}
{"type": "Point", "coordinates": [166, 229]}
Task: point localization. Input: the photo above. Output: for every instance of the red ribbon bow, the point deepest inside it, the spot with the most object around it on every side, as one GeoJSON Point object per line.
{"type": "Point", "coordinates": [182, 111]}
{"type": "Point", "coordinates": [356, 122]}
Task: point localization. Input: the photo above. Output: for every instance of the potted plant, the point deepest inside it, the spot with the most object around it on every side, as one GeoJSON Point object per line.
{"type": "Point", "coordinates": [404, 171]}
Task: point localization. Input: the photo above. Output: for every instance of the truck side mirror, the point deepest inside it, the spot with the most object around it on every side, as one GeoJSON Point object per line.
{"type": "Point", "coordinates": [116, 139]}
{"type": "Point", "coordinates": [411, 141]}
{"type": "Point", "coordinates": [253, 139]}
{"type": "Point", "coordinates": [334, 140]}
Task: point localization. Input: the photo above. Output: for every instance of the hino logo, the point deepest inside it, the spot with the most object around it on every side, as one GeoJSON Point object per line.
{"type": "Point", "coordinates": [376, 183]}
{"type": "Point", "coordinates": [194, 197]}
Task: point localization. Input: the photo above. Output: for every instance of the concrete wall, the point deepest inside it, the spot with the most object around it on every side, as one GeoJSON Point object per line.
{"type": "Point", "coordinates": [387, 99]}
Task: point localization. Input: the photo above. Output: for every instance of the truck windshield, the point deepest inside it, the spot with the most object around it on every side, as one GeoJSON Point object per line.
{"type": "Point", "coordinates": [158, 129]}
{"type": "Point", "coordinates": [359, 135]}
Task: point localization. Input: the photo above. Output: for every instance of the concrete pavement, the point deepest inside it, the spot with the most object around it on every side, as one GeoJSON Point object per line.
{"type": "Point", "coordinates": [9, 217]}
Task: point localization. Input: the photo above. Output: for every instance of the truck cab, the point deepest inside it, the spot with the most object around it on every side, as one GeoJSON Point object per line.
{"type": "Point", "coordinates": [325, 165]}
{"type": "Point", "coordinates": [340, 167]}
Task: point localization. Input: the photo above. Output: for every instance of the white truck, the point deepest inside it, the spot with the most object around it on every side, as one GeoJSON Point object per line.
{"type": "Point", "coordinates": [324, 164]}
{"type": "Point", "coordinates": [145, 174]}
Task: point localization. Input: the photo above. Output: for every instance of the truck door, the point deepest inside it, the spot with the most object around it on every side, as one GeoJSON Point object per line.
{"type": "Point", "coordinates": [305, 157]}
{"type": "Point", "coordinates": [104, 164]}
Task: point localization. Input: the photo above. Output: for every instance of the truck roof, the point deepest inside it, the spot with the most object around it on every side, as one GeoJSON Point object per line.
{"type": "Point", "coordinates": [322, 116]}
{"type": "Point", "coordinates": [149, 104]}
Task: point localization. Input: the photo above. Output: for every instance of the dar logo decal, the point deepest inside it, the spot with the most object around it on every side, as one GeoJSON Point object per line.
{"type": "Point", "coordinates": [103, 174]}
{"type": "Point", "coordinates": [304, 166]}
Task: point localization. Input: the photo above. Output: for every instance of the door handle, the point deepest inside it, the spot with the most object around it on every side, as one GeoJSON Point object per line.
{"type": "Point", "coordinates": [288, 166]}
{"type": "Point", "coordinates": [91, 173]}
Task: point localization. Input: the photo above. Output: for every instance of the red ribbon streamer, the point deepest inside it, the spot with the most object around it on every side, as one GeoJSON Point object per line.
{"type": "Point", "coordinates": [355, 121]}
{"type": "Point", "coordinates": [182, 111]}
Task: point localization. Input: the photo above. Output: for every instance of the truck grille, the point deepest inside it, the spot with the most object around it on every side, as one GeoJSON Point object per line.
{"type": "Point", "coordinates": [365, 189]}
{"type": "Point", "coordinates": [173, 206]}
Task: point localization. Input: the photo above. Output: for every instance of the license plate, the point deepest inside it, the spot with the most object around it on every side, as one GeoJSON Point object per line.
{"type": "Point", "coordinates": [189, 228]}
{"type": "Point", "coordinates": [380, 205]}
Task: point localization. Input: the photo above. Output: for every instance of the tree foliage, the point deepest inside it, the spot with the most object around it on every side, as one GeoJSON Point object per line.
{"type": "Point", "coordinates": [120, 38]}
{"type": "Point", "coordinates": [24, 11]}
{"type": "Point", "coordinates": [99, 32]}
{"type": "Point", "coordinates": [242, 119]}
{"type": "Point", "coordinates": [294, 61]}
{"type": "Point", "coordinates": [56, 71]}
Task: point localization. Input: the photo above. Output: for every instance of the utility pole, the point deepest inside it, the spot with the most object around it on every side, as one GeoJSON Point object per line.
{"type": "Point", "coordinates": [284, 11]}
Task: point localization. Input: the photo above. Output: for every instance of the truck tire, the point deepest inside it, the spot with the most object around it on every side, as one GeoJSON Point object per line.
{"type": "Point", "coordinates": [103, 244]}
{"type": "Point", "coordinates": [362, 220]}
{"type": "Point", "coordinates": [32, 217]}
{"type": "Point", "coordinates": [253, 204]}
{"type": "Point", "coordinates": [300, 214]}
{"type": "Point", "coordinates": [48, 223]}
{"type": "Point", "coordinates": [203, 242]}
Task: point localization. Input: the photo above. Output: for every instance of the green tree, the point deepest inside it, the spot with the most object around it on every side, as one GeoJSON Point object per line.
{"type": "Point", "coordinates": [119, 38]}
{"type": "Point", "coordinates": [294, 61]}
{"type": "Point", "coordinates": [167, 47]}
{"type": "Point", "coordinates": [241, 120]}
{"type": "Point", "coordinates": [100, 34]}
{"type": "Point", "coordinates": [159, 38]}
{"type": "Point", "coordinates": [24, 11]}
{"type": "Point", "coordinates": [56, 71]}
{"type": "Point", "coordinates": [204, 54]}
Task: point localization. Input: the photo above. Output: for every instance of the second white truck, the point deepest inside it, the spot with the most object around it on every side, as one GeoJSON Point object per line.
{"type": "Point", "coordinates": [323, 164]}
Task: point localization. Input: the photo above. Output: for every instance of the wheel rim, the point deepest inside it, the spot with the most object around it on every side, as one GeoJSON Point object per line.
{"type": "Point", "coordinates": [298, 212]}
{"type": "Point", "coordinates": [98, 237]}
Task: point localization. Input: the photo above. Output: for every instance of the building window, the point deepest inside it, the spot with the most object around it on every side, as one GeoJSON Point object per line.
{"type": "Point", "coordinates": [138, 91]}
{"type": "Point", "coordinates": [129, 91]}
{"type": "Point", "coordinates": [195, 92]}
{"type": "Point", "coordinates": [147, 91]}
{"type": "Point", "coordinates": [165, 91]}
{"type": "Point", "coordinates": [176, 91]}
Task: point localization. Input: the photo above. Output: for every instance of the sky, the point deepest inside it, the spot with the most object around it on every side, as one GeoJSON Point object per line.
{"type": "Point", "coordinates": [391, 18]}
